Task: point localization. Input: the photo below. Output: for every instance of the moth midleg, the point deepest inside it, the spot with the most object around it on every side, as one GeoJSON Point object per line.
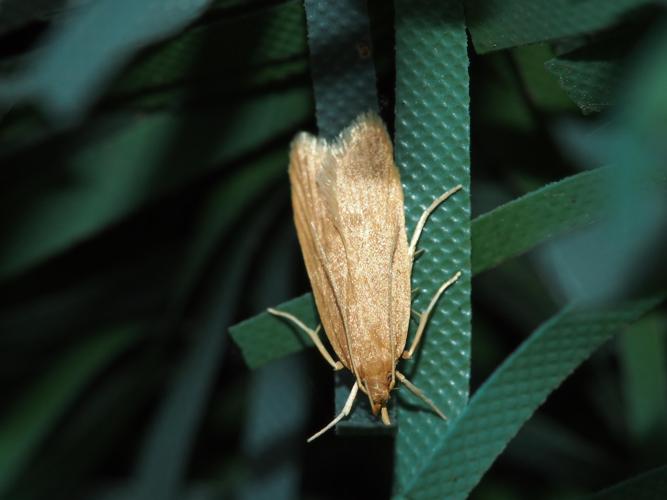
{"type": "Point", "coordinates": [344, 413]}
{"type": "Point", "coordinates": [422, 220]}
{"type": "Point", "coordinates": [424, 316]}
{"type": "Point", "coordinates": [313, 334]}
{"type": "Point", "coordinates": [417, 392]}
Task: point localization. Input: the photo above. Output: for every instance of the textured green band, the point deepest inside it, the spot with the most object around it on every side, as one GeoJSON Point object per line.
{"type": "Point", "coordinates": [341, 62]}
{"type": "Point", "coordinates": [432, 151]}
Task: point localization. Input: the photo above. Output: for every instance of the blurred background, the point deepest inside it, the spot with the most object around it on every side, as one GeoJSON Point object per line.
{"type": "Point", "coordinates": [145, 208]}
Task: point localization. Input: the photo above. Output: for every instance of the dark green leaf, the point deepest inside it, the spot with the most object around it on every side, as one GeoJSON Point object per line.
{"type": "Point", "coordinates": [31, 419]}
{"type": "Point", "coordinates": [456, 462]}
{"type": "Point", "coordinates": [89, 46]}
{"type": "Point", "coordinates": [650, 485]}
{"type": "Point", "coordinates": [499, 24]}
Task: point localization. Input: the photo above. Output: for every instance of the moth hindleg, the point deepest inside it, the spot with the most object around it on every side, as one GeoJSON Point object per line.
{"type": "Point", "coordinates": [417, 392]}
{"type": "Point", "coordinates": [346, 411]}
{"type": "Point", "coordinates": [313, 334]}
{"type": "Point", "coordinates": [424, 316]}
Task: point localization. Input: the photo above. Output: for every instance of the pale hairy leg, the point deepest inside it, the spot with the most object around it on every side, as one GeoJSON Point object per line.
{"type": "Point", "coordinates": [417, 392]}
{"type": "Point", "coordinates": [424, 316]}
{"type": "Point", "coordinates": [422, 220]}
{"type": "Point", "coordinates": [346, 411]}
{"type": "Point", "coordinates": [313, 334]}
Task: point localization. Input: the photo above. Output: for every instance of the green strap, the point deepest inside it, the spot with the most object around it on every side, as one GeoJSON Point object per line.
{"type": "Point", "coordinates": [432, 151]}
{"type": "Point", "coordinates": [341, 62]}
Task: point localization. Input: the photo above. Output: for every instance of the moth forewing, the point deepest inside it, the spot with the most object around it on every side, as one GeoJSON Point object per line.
{"type": "Point", "coordinates": [349, 215]}
{"type": "Point", "coordinates": [348, 209]}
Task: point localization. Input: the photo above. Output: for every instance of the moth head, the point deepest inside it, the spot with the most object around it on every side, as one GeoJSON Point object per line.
{"type": "Point", "coordinates": [378, 387]}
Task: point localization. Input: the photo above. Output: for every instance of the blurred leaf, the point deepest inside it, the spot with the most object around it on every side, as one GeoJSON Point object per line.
{"type": "Point", "coordinates": [277, 394]}
{"type": "Point", "coordinates": [223, 206]}
{"type": "Point", "coordinates": [34, 416]}
{"type": "Point", "coordinates": [456, 462]}
{"type": "Point", "coordinates": [590, 75]}
{"type": "Point", "coordinates": [153, 275]}
{"type": "Point", "coordinates": [521, 224]}
{"type": "Point", "coordinates": [632, 141]}
{"type": "Point", "coordinates": [650, 485]}
{"type": "Point", "coordinates": [163, 460]}
{"type": "Point", "coordinates": [124, 162]}
{"type": "Point", "coordinates": [540, 86]}
{"type": "Point", "coordinates": [643, 356]}
{"type": "Point", "coordinates": [501, 102]}
{"type": "Point", "coordinates": [499, 24]}
{"type": "Point", "coordinates": [84, 51]}
{"type": "Point", "coordinates": [501, 234]}
{"type": "Point", "coordinates": [237, 52]}
{"type": "Point", "coordinates": [88, 437]}
{"type": "Point", "coordinates": [559, 454]}
{"type": "Point", "coordinates": [273, 432]}
{"type": "Point", "coordinates": [18, 13]}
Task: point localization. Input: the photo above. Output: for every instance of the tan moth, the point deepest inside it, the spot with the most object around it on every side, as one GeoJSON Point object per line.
{"type": "Point", "coordinates": [347, 200]}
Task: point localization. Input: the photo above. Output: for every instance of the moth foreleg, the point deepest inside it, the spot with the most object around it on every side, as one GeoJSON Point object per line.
{"type": "Point", "coordinates": [424, 317]}
{"type": "Point", "coordinates": [346, 411]}
{"type": "Point", "coordinates": [422, 220]}
{"type": "Point", "coordinates": [417, 392]}
{"type": "Point", "coordinates": [313, 334]}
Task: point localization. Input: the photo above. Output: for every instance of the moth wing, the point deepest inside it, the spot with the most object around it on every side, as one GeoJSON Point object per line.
{"type": "Point", "coordinates": [320, 241]}
{"type": "Point", "coordinates": [361, 189]}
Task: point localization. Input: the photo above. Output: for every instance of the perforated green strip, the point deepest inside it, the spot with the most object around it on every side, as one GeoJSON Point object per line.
{"type": "Point", "coordinates": [432, 151]}
{"type": "Point", "coordinates": [456, 462]}
{"type": "Point", "coordinates": [341, 63]}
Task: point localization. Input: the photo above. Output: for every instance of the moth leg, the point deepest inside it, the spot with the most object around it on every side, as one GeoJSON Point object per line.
{"type": "Point", "coordinates": [346, 411]}
{"type": "Point", "coordinates": [422, 220]}
{"type": "Point", "coordinates": [313, 334]}
{"type": "Point", "coordinates": [417, 392]}
{"type": "Point", "coordinates": [424, 317]}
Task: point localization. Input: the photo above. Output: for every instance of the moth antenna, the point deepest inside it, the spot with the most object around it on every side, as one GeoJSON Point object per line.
{"type": "Point", "coordinates": [313, 334]}
{"type": "Point", "coordinates": [417, 392]}
{"type": "Point", "coordinates": [422, 220]}
{"type": "Point", "coordinates": [346, 411]}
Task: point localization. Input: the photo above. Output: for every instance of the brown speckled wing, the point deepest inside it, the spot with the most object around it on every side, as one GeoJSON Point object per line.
{"type": "Point", "coordinates": [348, 210]}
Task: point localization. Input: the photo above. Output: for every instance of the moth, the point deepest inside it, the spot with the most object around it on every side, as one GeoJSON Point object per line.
{"type": "Point", "coordinates": [348, 209]}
